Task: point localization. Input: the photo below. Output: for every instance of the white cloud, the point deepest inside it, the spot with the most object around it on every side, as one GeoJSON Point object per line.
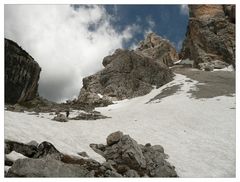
{"type": "Point", "coordinates": [59, 39]}
{"type": "Point", "coordinates": [184, 9]}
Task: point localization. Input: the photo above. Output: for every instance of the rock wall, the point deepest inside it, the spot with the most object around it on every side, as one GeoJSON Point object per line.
{"type": "Point", "coordinates": [21, 74]}
{"type": "Point", "coordinates": [210, 34]}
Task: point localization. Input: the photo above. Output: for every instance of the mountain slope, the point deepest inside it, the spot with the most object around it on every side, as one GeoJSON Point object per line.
{"type": "Point", "coordinates": [198, 134]}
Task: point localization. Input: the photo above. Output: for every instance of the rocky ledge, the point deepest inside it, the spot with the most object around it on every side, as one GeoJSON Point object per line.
{"type": "Point", "coordinates": [124, 158]}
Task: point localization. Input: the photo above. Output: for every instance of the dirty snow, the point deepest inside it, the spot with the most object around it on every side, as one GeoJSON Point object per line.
{"type": "Point", "coordinates": [198, 135]}
{"type": "Point", "coordinates": [228, 68]}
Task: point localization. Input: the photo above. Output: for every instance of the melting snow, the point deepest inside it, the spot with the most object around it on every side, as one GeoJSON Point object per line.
{"type": "Point", "coordinates": [198, 135]}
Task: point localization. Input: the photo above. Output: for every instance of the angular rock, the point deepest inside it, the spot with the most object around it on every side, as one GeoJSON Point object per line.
{"type": "Point", "coordinates": [26, 150]}
{"type": "Point", "coordinates": [158, 48]}
{"type": "Point", "coordinates": [33, 142]}
{"type": "Point", "coordinates": [156, 165]}
{"type": "Point", "coordinates": [45, 167]}
{"type": "Point", "coordinates": [110, 173]}
{"type": "Point", "coordinates": [21, 74]}
{"type": "Point", "coordinates": [8, 162]}
{"type": "Point", "coordinates": [114, 137]}
{"type": "Point", "coordinates": [127, 75]}
{"type": "Point", "coordinates": [210, 34]}
{"type": "Point", "coordinates": [83, 154]}
{"type": "Point", "coordinates": [131, 173]}
{"type": "Point", "coordinates": [46, 149]}
{"type": "Point", "coordinates": [60, 118]}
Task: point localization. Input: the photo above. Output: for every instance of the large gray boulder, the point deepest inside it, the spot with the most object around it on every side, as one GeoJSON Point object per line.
{"type": "Point", "coordinates": [126, 75]}
{"type": "Point", "coordinates": [45, 167]}
{"type": "Point", "coordinates": [210, 34]}
{"type": "Point", "coordinates": [21, 74]}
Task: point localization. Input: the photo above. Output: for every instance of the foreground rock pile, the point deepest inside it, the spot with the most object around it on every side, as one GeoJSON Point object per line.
{"type": "Point", "coordinates": [210, 35]}
{"type": "Point", "coordinates": [124, 158]}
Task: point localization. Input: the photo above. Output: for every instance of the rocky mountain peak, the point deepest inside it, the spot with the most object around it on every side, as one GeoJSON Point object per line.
{"type": "Point", "coordinates": [158, 48]}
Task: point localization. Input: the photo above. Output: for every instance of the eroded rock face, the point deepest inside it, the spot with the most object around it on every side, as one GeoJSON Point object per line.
{"type": "Point", "coordinates": [210, 35]}
{"type": "Point", "coordinates": [126, 75]}
{"type": "Point", "coordinates": [158, 48]}
{"type": "Point", "coordinates": [21, 74]}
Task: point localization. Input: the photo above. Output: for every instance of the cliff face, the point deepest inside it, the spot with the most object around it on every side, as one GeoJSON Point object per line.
{"type": "Point", "coordinates": [21, 74]}
{"type": "Point", "coordinates": [210, 35]}
{"type": "Point", "coordinates": [126, 75]}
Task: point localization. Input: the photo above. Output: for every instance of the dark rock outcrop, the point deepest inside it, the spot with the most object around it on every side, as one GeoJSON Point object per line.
{"type": "Point", "coordinates": [46, 149]}
{"type": "Point", "coordinates": [210, 34]}
{"type": "Point", "coordinates": [127, 74]}
{"type": "Point", "coordinates": [158, 48]}
{"type": "Point", "coordinates": [24, 149]}
{"type": "Point", "coordinates": [21, 74]}
{"type": "Point", "coordinates": [94, 115]}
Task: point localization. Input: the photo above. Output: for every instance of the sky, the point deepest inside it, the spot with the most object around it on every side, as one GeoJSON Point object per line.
{"type": "Point", "coordinates": [69, 42]}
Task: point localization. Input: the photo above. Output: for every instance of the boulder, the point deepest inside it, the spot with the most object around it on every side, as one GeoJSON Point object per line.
{"type": "Point", "coordinates": [158, 48]}
{"type": "Point", "coordinates": [114, 137]}
{"type": "Point", "coordinates": [131, 173]}
{"type": "Point", "coordinates": [127, 75]}
{"type": "Point", "coordinates": [21, 74]}
{"type": "Point", "coordinates": [24, 149]}
{"type": "Point", "coordinates": [46, 167]}
{"type": "Point", "coordinates": [46, 149]}
{"type": "Point", "coordinates": [33, 142]}
{"type": "Point", "coordinates": [210, 34]}
{"type": "Point", "coordinates": [60, 118]}
{"type": "Point", "coordinates": [113, 174]}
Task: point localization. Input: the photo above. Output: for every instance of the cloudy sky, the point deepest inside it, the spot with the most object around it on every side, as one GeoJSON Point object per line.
{"type": "Point", "coordinates": [70, 41]}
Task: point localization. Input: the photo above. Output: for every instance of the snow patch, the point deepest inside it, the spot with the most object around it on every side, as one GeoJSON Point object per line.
{"type": "Point", "coordinates": [13, 156]}
{"type": "Point", "coordinates": [229, 68]}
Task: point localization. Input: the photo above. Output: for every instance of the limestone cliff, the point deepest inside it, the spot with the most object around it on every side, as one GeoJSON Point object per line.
{"type": "Point", "coordinates": [210, 34]}
{"type": "Point", "coordinates": [21, 74]}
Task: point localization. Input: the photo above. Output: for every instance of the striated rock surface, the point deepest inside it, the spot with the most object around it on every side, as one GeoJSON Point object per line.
{"type": "Point", "coordinates": [127, 74]}
{"type": "Point", "coordinates": [158, 48]}
{"type": "Point", "coordinates": [21, 74]}
{"type": "Point", "coordinates": [210, 35]}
